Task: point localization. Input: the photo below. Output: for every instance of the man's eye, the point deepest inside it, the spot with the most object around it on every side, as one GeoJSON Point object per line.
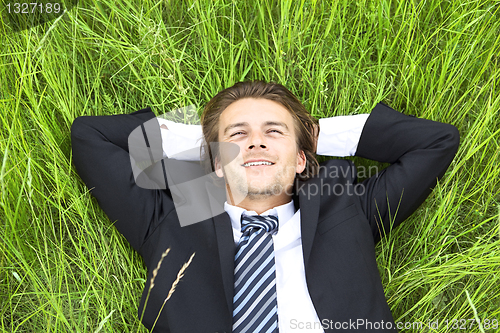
{"type": "Point", "coordinates": [236, 133]}
{"type": "Point", "coordinates": [273, 130]}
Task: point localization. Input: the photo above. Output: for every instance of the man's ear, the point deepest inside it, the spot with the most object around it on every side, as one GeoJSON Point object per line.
{"type": "Point", "coordinates": [218, 167]}
{"type": "Point", "coordinates": [301, 161]}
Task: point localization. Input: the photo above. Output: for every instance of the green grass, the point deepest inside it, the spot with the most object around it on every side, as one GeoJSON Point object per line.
{"type": "Point", "coordinates": [63, 266]}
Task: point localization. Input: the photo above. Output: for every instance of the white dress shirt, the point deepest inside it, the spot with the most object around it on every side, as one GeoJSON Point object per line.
{"type": "Point", "coordinates": [338, 136]}
{"type": "Point", "coordinates": [294, 302]}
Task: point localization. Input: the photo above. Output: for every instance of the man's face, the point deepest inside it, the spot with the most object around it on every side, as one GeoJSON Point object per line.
{"type": "Point", "coordinates": [268, 159]}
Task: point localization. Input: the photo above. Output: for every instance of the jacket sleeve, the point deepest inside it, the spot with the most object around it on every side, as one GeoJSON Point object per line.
{"type": "Point", "coordinates": [102, 157]}
{"type": "Point", "coordinates": [419, 151]}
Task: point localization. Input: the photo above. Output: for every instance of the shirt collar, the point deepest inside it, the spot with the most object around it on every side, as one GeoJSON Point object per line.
{"type": "Point", "coordinates": [284, 213]}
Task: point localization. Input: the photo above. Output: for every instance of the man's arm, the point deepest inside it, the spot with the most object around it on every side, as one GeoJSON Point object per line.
{"type": "Point", "coordinates": [419, 150]}
{"type": "Point", "coordinates": [100, 146]}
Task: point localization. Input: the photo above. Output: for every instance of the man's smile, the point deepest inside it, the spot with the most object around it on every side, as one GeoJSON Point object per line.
{"type": "Point", "coordinates": [257, 163]}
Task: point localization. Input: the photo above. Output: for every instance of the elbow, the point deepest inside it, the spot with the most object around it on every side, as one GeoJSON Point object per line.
{"type": "Point", "coordinates": [449, 143]}
{"type": "Point", "coordinates": [81, 131]}
{"type": "Point", "coordinates": [446, 139]}
{"type": "Point", "coordinates": [78, 127]}
{"type": "Point", "coordinates": [453, 138]}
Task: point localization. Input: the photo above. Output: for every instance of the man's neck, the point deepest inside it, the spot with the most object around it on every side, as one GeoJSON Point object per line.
{"type": "Point", "coordinates": [260, 205]}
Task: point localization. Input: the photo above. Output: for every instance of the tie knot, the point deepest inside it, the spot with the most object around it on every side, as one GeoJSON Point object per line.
{"type": "Point", "coordinates": [268, 222]}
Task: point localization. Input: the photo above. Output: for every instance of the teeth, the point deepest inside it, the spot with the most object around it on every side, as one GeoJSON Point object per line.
{"type": "Point", "coordinates": [257, 163]}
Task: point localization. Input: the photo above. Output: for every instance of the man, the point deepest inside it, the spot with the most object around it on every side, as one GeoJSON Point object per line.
{"type": "Point", "coordinates": [294, 247]}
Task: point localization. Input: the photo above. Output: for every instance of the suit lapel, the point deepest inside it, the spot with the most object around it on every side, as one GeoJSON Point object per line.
{"type": "Point", "coordinates": [309, 213]}
{"type": "Point", "coordinates": [225, 240]}
{"type": "Point", "coordinates": [225, 243]}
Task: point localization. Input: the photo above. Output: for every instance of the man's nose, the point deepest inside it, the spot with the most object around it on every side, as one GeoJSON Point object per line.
{"type": "Point", "coordinates": [257, 140]}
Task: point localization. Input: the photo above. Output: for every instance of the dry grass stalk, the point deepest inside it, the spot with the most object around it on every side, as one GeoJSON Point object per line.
{"type": "Point", "coordinates": [152, 284]}
{"type": "Point", "coordinates": [180, 274]}
{"type": "Point", "coordinates": [155, 272]}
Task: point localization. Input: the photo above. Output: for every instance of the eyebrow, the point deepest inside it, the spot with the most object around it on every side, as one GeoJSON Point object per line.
{"type": "Point", "coordinates": [245, 124]}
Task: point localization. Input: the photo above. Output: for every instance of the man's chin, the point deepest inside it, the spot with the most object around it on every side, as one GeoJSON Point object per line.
{"type": "Point", "coordinates": [262, 192]}
{"type": "Point", "coordinates": [259, 195]}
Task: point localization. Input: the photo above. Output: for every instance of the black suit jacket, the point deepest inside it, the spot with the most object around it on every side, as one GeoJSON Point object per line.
{"type": "Point", "coordinates": [339, 231]}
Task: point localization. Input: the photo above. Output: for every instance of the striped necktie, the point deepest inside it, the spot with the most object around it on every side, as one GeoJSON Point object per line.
{"type": "Point", "coordinates": [255, 307]}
